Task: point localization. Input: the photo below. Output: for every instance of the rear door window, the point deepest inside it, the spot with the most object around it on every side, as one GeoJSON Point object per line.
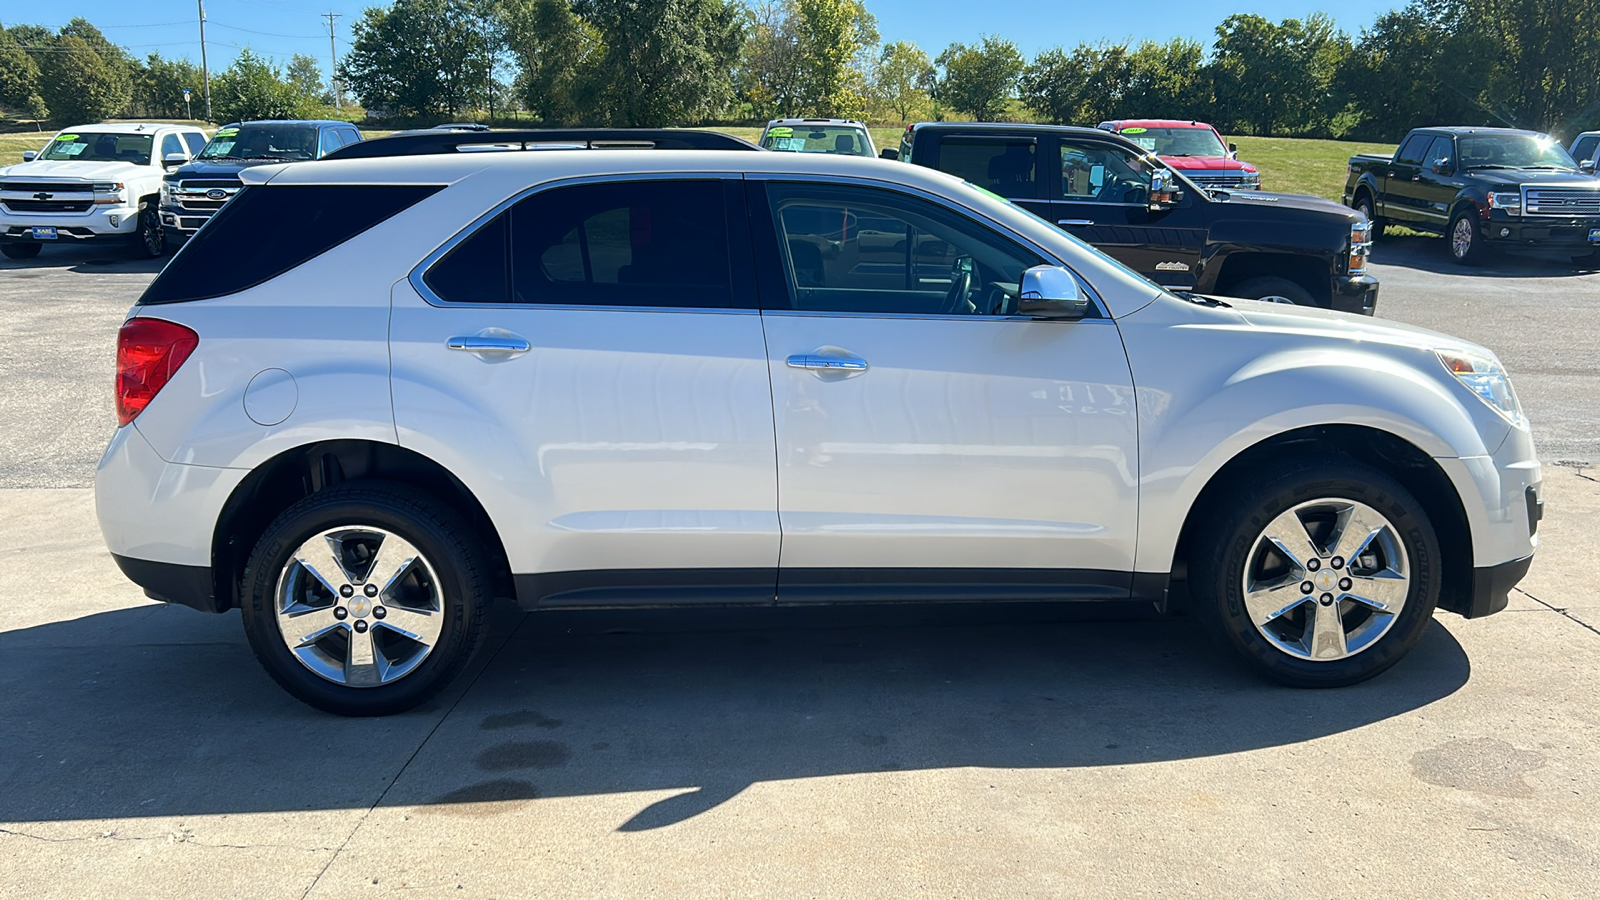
{"type": "Point", "coordinates": [1442, 149]}
{"type": "Point", "coordinates": [1006, 166]}
{"type": "Point", "coordinates": [195, 140]}
{"type": "Point", "coordinates": [328, 143]}
{"type": "Point", "coordinates": [266, 230]}
{"type": "Point", "coordinates": [1411, 153]}
{"type": "Point", "coordinates": [172, 144]}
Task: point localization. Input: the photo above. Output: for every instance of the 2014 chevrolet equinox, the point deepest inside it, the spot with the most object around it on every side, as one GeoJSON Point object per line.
{"type": "Point", "coordinates": [373, 394]}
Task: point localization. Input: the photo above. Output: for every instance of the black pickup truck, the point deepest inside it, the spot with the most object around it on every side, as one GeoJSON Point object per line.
{"type": "Point", "coordinates": [1115, 195]}
{"type": "Point", "coordinates": [1481, 188]}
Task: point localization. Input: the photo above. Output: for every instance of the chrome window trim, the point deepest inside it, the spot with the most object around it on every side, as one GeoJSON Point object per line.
{"type": "Point", "coordinates": [433, 299]}
{"type": "Point", "coordinates": [936, 317]}
{"type": "Point", "coordinates": [947, 203]}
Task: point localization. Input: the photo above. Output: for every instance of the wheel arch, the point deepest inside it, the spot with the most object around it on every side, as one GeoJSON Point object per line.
{"type": "Point", "coordinates": [1385, 451]}
{"type": "Point", "coordinates": [302, 471]}
{"type": "Point", "coordinates": [1308, 272]}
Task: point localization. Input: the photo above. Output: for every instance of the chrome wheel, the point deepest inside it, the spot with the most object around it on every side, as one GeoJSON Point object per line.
{"type": "Point", "coordinates": [1326, 579]}
{"type": "Point", "coordinates": [1461, 238]}
{"type": "Point", "coordinates": [1275, 298]}
{"type": "Point", "coordinates": [359, 606]}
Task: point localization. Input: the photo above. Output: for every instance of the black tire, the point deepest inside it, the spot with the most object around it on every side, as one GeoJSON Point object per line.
{"type": "Point", "coordinates": [20, 251]}
{"type": "Point", "coordinates": [1590, 260]}
{"type": "Point", "coordinates": [150, 241]}
{"type": "Point", "coordinates": [1476, 249]}
{"type": "Point", "coordinates": [1365, 207]}
{"type": "Point", "coordinates": [1227, 541]}
{"type": "Point", "coordinates": [440, 536]}
{"type": "Point", "coordinates": [1271, 287]}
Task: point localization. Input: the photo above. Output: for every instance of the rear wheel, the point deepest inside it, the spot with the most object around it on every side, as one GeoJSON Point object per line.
{"type": "Point", "coordinates": [1272, 289]}
{"type": "Point", "coordinates": [1364, 206]}
{"type": "Point", "coordinates": [20, 251]}
{"type": "Point", "coordinates": [1319, 573]}
{"type": "Point", "coordinates": [366, 599]}
{"type": "Point", "coordinates": [1466, 244]}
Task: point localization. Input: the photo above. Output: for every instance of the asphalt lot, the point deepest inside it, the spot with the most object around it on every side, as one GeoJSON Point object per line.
{"type": "Point", "coordinates": [911, 752]}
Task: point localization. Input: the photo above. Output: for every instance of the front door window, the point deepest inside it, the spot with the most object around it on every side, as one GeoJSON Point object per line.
{"type": "Point", "coordinates": [1096, 173]}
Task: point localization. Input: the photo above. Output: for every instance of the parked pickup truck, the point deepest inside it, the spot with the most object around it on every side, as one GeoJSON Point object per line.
{"type": "Point", "coordinates": [1194, 148]}
{"type": "Point", "coordinates": [1481, 188]}
{"type": "Point", "coordinates": [1116, 195]}
{"type": "Point", "coordinates": [92, 183]}
{"type": "Point", "coordinates": [192, 193]}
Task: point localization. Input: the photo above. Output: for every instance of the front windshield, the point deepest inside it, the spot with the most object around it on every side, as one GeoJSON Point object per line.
{"type": "Point", "coordinates": [86, 146]}
{"type": "Point", "coordinates": [844, 140]}
{"type": "Point", "coordinates": [1177, 141]}
{"type": "Point", "coordinates": [1512, 151]}
{"type": "Point", "coordinates": [264, 141]}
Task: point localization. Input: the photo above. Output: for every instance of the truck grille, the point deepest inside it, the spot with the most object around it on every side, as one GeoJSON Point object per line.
{"type": "Point", "coordinates": [1560, 202]}
{"type": "Point", "coordinates": [34, 187]}
{"type": "Point", "coordinates": [1221, 180]}
{"type": "Point", "coordinates": [48, 206]}
{"type": "Point", "coordinates": [195, 194]}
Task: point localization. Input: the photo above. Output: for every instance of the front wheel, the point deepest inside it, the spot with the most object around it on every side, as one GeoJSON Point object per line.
{"type": "Point", "coordinates": [1320, 573]}
{"type": "Point", "coordinates": [366, 599]}
{"type": "Point", "coordinates": [1272, 289]}
{"type": "Point", "coordinates": [151, 239]}
{"type": "Point", "coordinates": [1466, 243]}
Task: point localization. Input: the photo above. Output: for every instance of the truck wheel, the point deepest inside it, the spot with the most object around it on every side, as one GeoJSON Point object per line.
{"type": "Point", "coordinates": [151, 240]}
{"type": "Point", "coordinates": [366, 599]}
{"type": "Point", "coordinates": [1466, 244]}
{"type": "Point", "coordinates": [1364, 206]}
{"type": "Point", "coordinates": [20, 251]}
{"type": "Point", "coordinates": [1319, 572]}
{"type": "Point", "coordinates": [1272, 289]}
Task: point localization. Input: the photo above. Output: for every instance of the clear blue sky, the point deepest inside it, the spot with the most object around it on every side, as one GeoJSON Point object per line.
{"type": "Point", "coordinates": [281, 28]}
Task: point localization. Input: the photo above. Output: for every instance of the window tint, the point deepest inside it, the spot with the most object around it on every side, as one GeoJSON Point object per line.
{"type": "Point", "coordinates": [1097, 173]}
{"type": "Point", "coordinates": [267, 230]}
{"type": "Point", "coordinates": [349, 136]}
{"type": "Point", "coordinates": [1006, 167]}
{"type": "Point", "coordinates": [1411, 153]}
{"type": "Point", "coordinates": [477, 270]}
{"type": "Point", "coordinates": [867, 250]}
{"type": "Point", "coordinates": [195, 140]}
{"type": "Point", "coordinates": [171, 144]}
{"type": "Point", "coordinates": [328, 143]}
{"type": "Point", "coordinates": [1584, 149]}
{"type": "Point", "coordinates": [1441, 149]}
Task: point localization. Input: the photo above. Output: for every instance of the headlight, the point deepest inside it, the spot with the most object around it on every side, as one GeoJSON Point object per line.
{"type": "Point", "coordinates": [1510, 202]}
{"type": "Point", "coordinates": [108, 193]}
{"type": "Point", "coordinates": [1484, 376]}
{"type": "Point", "coordinates": [1360, 247]}
{"type": "Point", "coordinates": [1251, 180]}
{"type": "Point", "coordinates": [166, 194]}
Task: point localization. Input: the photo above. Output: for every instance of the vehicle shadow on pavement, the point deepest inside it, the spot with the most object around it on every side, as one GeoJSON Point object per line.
{"type": "Point", "coordinates": [112, 260]}
{"type": "Point", "coordinates": [1429, 254]}
{"type": "Point", "coordinates": [155, 711]}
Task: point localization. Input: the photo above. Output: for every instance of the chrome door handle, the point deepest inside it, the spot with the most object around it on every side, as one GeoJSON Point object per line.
{"type": "Point", "coordinates": [477, 343]}
{"type": "Point", "coordinates": [1074, 221]}
{"type": "Point", "coordinates": [827, 363]}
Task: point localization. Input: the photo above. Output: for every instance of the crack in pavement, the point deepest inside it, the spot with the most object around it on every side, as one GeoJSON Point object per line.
{"type": "Point", "coordinates": [1558, 609]}
{"type": "Point", "coordinates": [184, 838]}
{"type": "Point", "coordinates": [412, 758]}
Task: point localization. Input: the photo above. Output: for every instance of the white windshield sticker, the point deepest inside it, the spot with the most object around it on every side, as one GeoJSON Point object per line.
{"type": "Point", "coordinates": [220, 148]}
{"type": "Point", "coordinates": [72, 149]}
{"type": "Point", "coordinates": [1149, 143]}
{"type": "Point", "coordinates": [791, 143]}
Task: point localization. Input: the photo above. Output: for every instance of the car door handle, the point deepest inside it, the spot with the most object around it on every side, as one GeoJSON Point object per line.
{"type": "Point", "coordinates": [490, 345]}
{"type": "Point", "coordinates": [1074, 221]}
{"type": "Point", "coordinates": [827, 363]}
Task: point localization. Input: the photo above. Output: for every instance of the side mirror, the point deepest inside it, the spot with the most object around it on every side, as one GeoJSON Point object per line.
{"type": "Point", "coordinates": [1051, 292]}
{"type": "Point", "coordinates": [1164, 191]}
{"type": "Point", "coordinates": [30, 155]}
{"type": "Point", "coordinates": [1442, 167]}
{"type": "Point", "coordinates": [889, 153]}
{"type": "Point", "coordinates": [173, 159]}
{"type": "Point", "coordinates": [1233, 150]}
{"type": "Point", "coordinates": [1586, 167]}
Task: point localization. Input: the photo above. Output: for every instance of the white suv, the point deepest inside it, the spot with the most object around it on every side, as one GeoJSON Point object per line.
{"type": "Point", "coordinates": [93, 183]}
{"type": "Point", "coordinates": [374, 394]}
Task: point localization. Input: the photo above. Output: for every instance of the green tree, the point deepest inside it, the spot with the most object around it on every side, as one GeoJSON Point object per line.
{"type": "Point", "coordinates": [305, 77]}
{"type": "Point", "coordinates": [663, 62]}
{"type": "Point", "coordinates": [905, 79]}
{"type": "Point", "coordinates": [979, 79]}
{"type": "Point", "coordinates": [253, 88]}
{"type": "Point", "coordinates": [78, 86]}
{"type": "Point", "coordinates": [159, 90]}
{"type": "Point", "coordinates": [1085, 86]}
{"type": "Point", "coordinates": [769, 72]}
{"type": "Point", "coordinates": [830, 35]}
{"type": "Point", "coordinates": [426, 57]}
{"type": "Point", "coordinates": [1167, 81]}
{"type": "Point", "coordinates": [19, 79]}
{"type": "Point", "coordinates": [1278, 78]}
{"type": "Point", "coordinates": [557, 54]}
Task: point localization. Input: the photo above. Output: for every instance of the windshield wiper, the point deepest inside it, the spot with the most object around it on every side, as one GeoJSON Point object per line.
{"type": "Point", "coordinates": [1491, 166]}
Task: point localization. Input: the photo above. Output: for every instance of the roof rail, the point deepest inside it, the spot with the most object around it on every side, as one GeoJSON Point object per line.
{"type": "Point", "coordinates": [430, 142]}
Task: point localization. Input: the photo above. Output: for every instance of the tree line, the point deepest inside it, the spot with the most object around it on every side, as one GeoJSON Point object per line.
{"type": "Point", "coordinates": [1524, 63]}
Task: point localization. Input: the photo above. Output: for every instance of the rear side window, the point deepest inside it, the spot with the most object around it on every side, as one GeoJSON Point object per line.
{"type": "Point", "coordinates": [267, 230]}
{"type": "Point", "coordinates": [1006, 167]}
{"type": "Point", "coordinates": [1411, 153]}
{"type": "Point", "coordinates": [629, 243]}
{"type": "Point", "coordinates": [328, 143]}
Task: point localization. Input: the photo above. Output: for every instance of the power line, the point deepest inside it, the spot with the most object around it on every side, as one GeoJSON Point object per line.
{"type": "Point", "coordinates": [267, 33]}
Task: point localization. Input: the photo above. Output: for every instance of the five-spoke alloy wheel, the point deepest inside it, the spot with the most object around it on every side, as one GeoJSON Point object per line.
{"type": "Point", "coordinates": [1318, 573]}
{"type": "Point", "coordinates": [365, 599]}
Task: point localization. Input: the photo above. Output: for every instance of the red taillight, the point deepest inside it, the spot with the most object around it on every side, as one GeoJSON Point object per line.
{"type": "Point", "coordinates": [149, 352]}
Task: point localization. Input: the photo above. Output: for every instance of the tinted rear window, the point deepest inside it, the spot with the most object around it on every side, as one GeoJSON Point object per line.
{"type": "Point", "coordinates": [267, 230]}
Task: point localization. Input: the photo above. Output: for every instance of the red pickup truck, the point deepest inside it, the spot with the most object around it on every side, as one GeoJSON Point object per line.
{"type": "Point", "coordinates": [1193, 148]}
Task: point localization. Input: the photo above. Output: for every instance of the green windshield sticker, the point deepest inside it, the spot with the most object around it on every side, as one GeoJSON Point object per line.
{"type": "Point", "coordinates": [225, 132]}
{"type": "Point", "coordinates": [1133, 131]}
{"type": "Point", "coordinates": [780, 132]}
{"type": "Point", "coordinates": [66, 138]}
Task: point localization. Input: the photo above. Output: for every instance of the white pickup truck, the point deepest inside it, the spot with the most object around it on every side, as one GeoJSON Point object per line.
{"type": "Point", "coordinates": [93, 183]}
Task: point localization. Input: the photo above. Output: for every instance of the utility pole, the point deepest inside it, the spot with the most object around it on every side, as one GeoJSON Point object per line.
{"type": "Point", "coordinates": [205, 70]}
{"type": "Point", "coordinates": [333, 59]}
